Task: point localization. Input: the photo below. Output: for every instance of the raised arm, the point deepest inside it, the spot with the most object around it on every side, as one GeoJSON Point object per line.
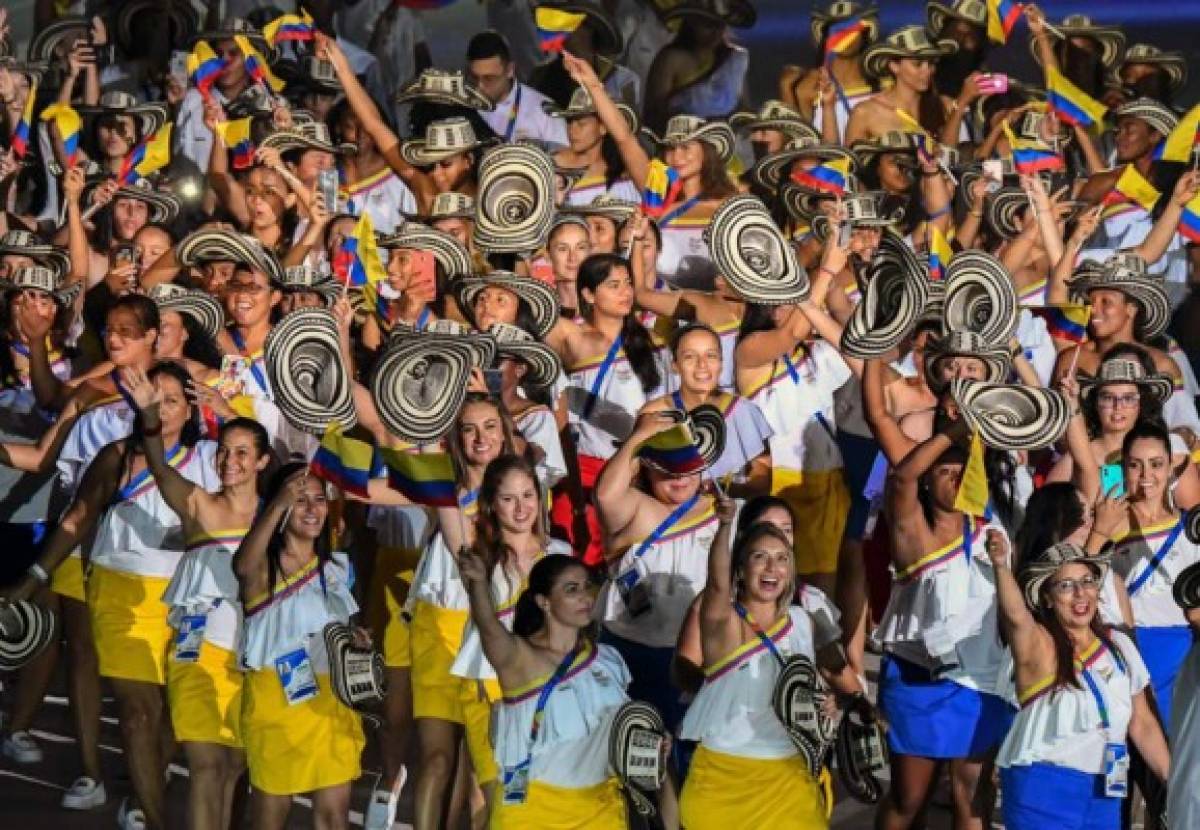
{"type": "Point", "coordinates": [886, 429]}
{"type": "Point", "coordinates": [765, 347]}
{"type": "Point", "coordinates": [715, 608]}
{"type": "Point", "coordinates": [635, 158]}
{"type": "Point", "coordinates": [1167, 225]}
{"type": "Point", "coordinates": [1058, 291]}
{"type": "Point", "coordinates": [500, 646]}
{"type": "Point", "coordinates": [903, 505]}
{"type": "Point", "coordinates": [50, 392]}
{"type": "Point", "coordinates": [616, 502]}
{"type": "Point", "coordinates": [228, 189]}
{"type": "Point", "coordinates": [250, 559]}
{"type": "Point", "coordinates": [1021, 631]}
{"type": "Point", "coordinates": [1046, 213]}
{"type": "Point", "coordinates": [77, 242]}
{"type": "Point", "coordinates": [41, 456]}
{"type": "Point", "coordinates": [176, 490]}
{"type": "Point", "coordinates": [1085, 472]}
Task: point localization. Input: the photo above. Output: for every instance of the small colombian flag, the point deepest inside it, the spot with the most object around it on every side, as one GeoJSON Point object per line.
{"type": "Point", "coordinates": [673, 451]}
{"type": "Point", "coordinates": [1070, 103]}
{"type": "Point", "coordinates": [1181, 143]}
{"type": "Point", "coordinates": [423, 478]}
{"type": "Point", "coordinates": [1131, 190]}
{"type": "Point", "coordinates": [843, 36]}
{"type": "Point", "coordinates": [361, 262]}
{"type": "Point", "coordinates": [290, 28]}
{"type": "Point", "coordinates": [343, 461]}
{"type": "Point", "coordinates": [1031, 156]}
{"type": "Point", "coordinates": [1002, 16]}
{"type": "Point", "coordinates": [940, 254]}
{"type": "Point", "coordinates": [661, 190]}
{"type": "Point", "coordinates": [20, 137]}
{"type": "Point", "coordinates": [256, 65]}
{"type": "Point", "coordinates": [827, 177]}
{"type": "Point", "coordinates": [203, 67]}
{"type": "Point", "coordinates": [1068, 321]}
{"type": "Point", "coordinates": [972, 497]}
{"type": "Point", "coordinates": [152, 153]}
{"type": "Point", "coordinates": [1189, 223]}
{"type": "Point", "coordinates": [69, 125]}
{"type": "Point", "coordinates": [555, 26]}
{"type": "Point", "coordinates": [236, 136]}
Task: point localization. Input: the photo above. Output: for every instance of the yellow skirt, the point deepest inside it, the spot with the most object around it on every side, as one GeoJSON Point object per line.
{"type": "Point", "coordinates": [206, 697]}
{"type": "Point", "coordinates": [298, 748]}
{"type": "Point", "coordinates": [724, 791]}
{"type": "Point", "coordinates": [821, 503]}
{"type": "Point", "coordinates": [129, 624]}
{"type": "Point", "coordinates": [436, 637]}
{"type": "Point", "coordinates": [67, 579]}
{"type": "Point", "coordinates": [557, 808]}
{"type": "Point", "coordinates": [477, 720]}
{"type": "Point", "coordinates": [390, 582]}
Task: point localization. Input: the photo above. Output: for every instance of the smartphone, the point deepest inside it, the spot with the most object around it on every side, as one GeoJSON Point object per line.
{"type": "Point", "coordinates": [947, 157]}
{"type": "Point", "coordinates": [993, 171]}
{"type": "Point", "coordinates": [995, 83]}
{"type": "Point", "coordinates": [327, 183]}
{"type": "Point", "coordinates": [844, 235]}
{"type": "Point", "coordinates": [177, 68]}
{"type": "Point", "coordinates": [541, 269]}
{"type": "Point", "coordinates": [1112, 480]}
{"type": "Point", "coordinates": [492, 377]}
{"type": "Point", "coordinates": [124, 253]}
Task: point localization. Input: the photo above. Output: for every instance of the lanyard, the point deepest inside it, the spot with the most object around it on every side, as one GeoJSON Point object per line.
{"type": "Point", "coordinates": [758, 631]}
{"type": "Point", "coordinates": [116, 379]}
{"type": "Point", "coordinates": [837, 87]}
{"type": "Point", "coordinates": [678, 211]}
{"type": "Point", "coordinates": [1152, 566]}
{"type": "Point", "coordinates": [1084, 666]}
{"type": "Point", "coordinates": [609, 359]}
{"type": "Point", "coordinates": [677, 399]}
{"type": "Point", "coordinates": [255, 369]}
{"type": "Point", "coordinates": [423, 318]}
{"type": "Point", "coordinates": [174, 456]}
{"type": "Point", "coordinates": [539, 709]}
{"type": "Point", "coordinates": [512, 116]}
{"type": "Point", "coordinates": [676, 514]}
{"type": "Point", "coordinates": [468, 498]}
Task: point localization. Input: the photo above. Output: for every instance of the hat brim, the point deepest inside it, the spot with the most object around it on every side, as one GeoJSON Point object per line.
{"type": "Point", "coordinates": [544, 367]}
{"type": "Point", "coordinates": [716, 134]}
{"type": "Point", "coordinates": [1111, 40]}
{"type": "Point", "coordinates": [150, 117]}
{"type": "Point", "coordinates": [1174, 65]}
{"type": "Point", "coordinates": [448, 251]}
{"type": "Point", "coordinates": [514, 203]}
{"type": "Point", "coordinates": [876, 58]}
{"type": "Point", "coordinates": [1158, 387]}
{"type": "Point", "coordinates": [1034, 574]}
{"type": "Point", "coordinates": [980, 297]}
{"type": "Point", "coordinates": [997, 363]}
{"type": "Point", "coordinates": [752, 255]}
{"type": "Point", "coordinates": [49, 256]}
{"type": "Point", "coordinates": [822, 21]}
{"type": "Point", "coordinates": [894, 297]}
{"type": "Point", "coordinates": [539, 297]}
{"type": "Point", "coordinates": [163, 206]}
{"type": "Point", "coordinates": [1152, 297]}
{"type": "Point", "coordinates": [309, 380]}
{"type": "Point", "coordinates": [769, 170]}
{"type": "Point", "coordinates": [937, 15]}
{"type": "Point", "coordinates": [617, 210]}
{"type": "Point", "coordinates": [285, 141]}
{"type": "Point", "coordinates": [27, 628]}
{"type": "Point", "coordinates": [42, 47]}
{"type": "Point", "coordinates": [417, 153]}
{"type": "Point", "coordinates": [567, 113]}
{"type": "Point", "coordinates": [748, 122]}
{"type": "Point", "coordinates": [211, 245]}
{"type": "Point", "coordinates": [1010, 416]}
{"type": "Point", "coordinates": [419, 386]}
{"type": "Point", "coordinates": [203, 308]}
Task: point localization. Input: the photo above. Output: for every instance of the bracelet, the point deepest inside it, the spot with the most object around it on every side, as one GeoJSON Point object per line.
{"type": "Point", "coordinates": [826, 270]}
{"type": "Point", "coordinates": [39, 573]}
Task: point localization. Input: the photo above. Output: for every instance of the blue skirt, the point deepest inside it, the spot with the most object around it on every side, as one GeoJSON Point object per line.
{"type": "Point", "coordinates": [938, 718]}
{"type": "Point", "coordinates": [1163, 650]}
{"type": "Point", "coordinates": [1043, 796]}
{"type": "Point", "coordinates": [858, 457]}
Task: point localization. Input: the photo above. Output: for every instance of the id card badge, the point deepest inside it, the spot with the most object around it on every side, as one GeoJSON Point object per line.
{"type": "Point", "coordinates": [189, 637]}
{"type": "Point", "coordinates": [1116, 770]}
{"type": "Point", "coordinates": [297, 676]}
{"type": "Point", "coordinates": [516, 783]}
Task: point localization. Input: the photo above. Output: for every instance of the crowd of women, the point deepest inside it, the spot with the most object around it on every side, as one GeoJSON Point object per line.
{"type": "Point", "coordinates": [348, 400]}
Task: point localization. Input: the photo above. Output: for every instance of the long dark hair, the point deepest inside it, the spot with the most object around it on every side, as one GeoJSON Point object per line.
{"type": "Point", "coordinates": [489, 539]}
{"type": "Point", "coordinates": [1147, 430]}
{"type": "Point", "coordinates": [276, 546]}
{"type": "Point", "coordinates": [1149, 410]}
{"type": "Point", "coordinates": [188, 436]}
{"type": "Point", "coordinates": [1064, 649]}
{"type": "Point", "coordinates": [262, 444]}
{"type": "Point", "coordinates": [714, 177]}
{"type": "Point", "coordinates": [635, 339]}
{"type": "Point", "coordinates": [528, 619]}
{"type": "Point", "coordinates": [1052, 514]}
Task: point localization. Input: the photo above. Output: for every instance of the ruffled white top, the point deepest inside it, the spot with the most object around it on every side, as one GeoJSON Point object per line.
{"type": "Point", "coordinates": [1152, 603]}
{"type": "Point", "coordinates": [95, 428]}
{"type": "Point", "coordinates": [826, 619]}
{"type": "Point", "coordinates": [612, 414]}
{"type": "Point", "coordinates": [942, 614]}
{"type": "Point", "coordinates": [471, 662]}
{"type": "Point", "coordinates": [1063, 726]}
{"type": "Point", "coordinates": [294, 615]}
{"type": "Point", "coordinates": [140, 534]}
{"type": "Point", "coordinates": [537, 426]}
{"type": "Point", "coordinates": [204, 583]}
{"type": "Point", "coordinates": [732, 711]}
{"type": "Point", "coordinates": [571, 749]}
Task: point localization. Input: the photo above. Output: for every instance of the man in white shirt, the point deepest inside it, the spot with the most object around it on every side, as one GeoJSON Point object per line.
{"type": "Point", "coordinates": [518, 113]}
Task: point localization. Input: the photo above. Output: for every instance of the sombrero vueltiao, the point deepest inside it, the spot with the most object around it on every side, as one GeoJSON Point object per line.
{"type": "Point", "coordinates": [443, 139]}
{"type": "Point", "coordinates": [219, 245]}
{"type": "Point", "coordinates": [448, 205]}
{"type": "Point", "coordinates": [1120, 274]}
{"type": "Point", "coordinates": [1012, 416]}
{"type": "Point", "coordinates": [443, 86]}
{"type": "Point", "coordinates": [544, 366]}
{"type": "Point", "coordinates": [970, 11]}
{"type": "Point", "coordinates": [27, 244]}
{"type": "Point", "coordinates": [907, 42]}
{"type": "Point", "coordinates": [202, 308]}
{"type": "Point", "coordinates": [1128, 370]}
{"type": "Point", "coordinates": [43, 279]}
{"type": "Point", "coordinates": [893, 141]}
{"type": "Point", "coordinates": [895, 295]}
{"type": "Point", "coordinates": [684, 128]}
{"type": "Point", "coordinates": [996, 360]}
{"type": "Point", "coordinates": [581, 104]}
{"type": "Point", "coordinates": [706, 428]}
{"type": "Point", "coordinates": [770, 169]}
{"type": "Point", "coordinates": [1039, 568]}
{"type": "Point", "coordinates": [539, 297]}
{"type": "Point", "coordinates": [1003, 211]}
{"type": "Point", "coordinates": [1174, 64]}
{"type": "Point", "coordinates": [973, 172]}
{"type": "Point", "coordinates": [65, 31]}
{"type": "Point", "coordinates": [149, 117]}
{"type": "Point", "coordinates": [635, 753]}
{"type": "Point", "coordinates": [25, 629]}
{"type": "Point", "coordinates": [448, 251]}
{"type": "Point", "coordinates": [751, 254]}
{"type": "Point", "coordinates": [1186, 588]}
{"type": "Point", "coordinates": [844, 10]}
{"type": "Point", "coordinates": [312, 135]}
{"type": "Point", "coordinates": [419, 385]}
{"type": "Point", "coordinates": [309, 279]}
{"type": "Point", "coordinates": [980, 297]}
{"type": "Point", "coordinates": [308, 377]}
{"type": "Point", "coordinates": [774, 115]}
{"type": "Point", "coordinates": [798, 700]}
{"type": "Point", "coordinates": [163, 206]}
{"type": "Point", "coordinates": [230, 28]}
{"type": "Point", "coordinates": [1110, 38]}
{"type": "Point", "coordinates": [862, 211]}
{"type": "Point", "coordinates": [607, 206]}
{"type": "Point", "coordinates": [480, 344]}
{"type": "Point", "coordinates": [357, 675]}
{"type": "Point", "coordinates": [1156, 115]}
{"type": "Point", "coordinates": [514, 204]}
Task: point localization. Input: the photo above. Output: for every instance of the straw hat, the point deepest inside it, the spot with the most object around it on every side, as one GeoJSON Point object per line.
{"type": "Point", "coordinates": [862, 211]}
{"type": "Point", "coordinates": [1003, 210]}
{"type": "Point", "coordinates": [149, 117]}
{"type": "Point", "coordinates": [752, 255]}
{"type": "Point", "coordinates": [1038, 569]}
{"type": "Point", "coordinates": [608, 206]}
{"type": "Point", "coordinates": [219, 245]}
{"type": "Point", "coordinates": [774, 115]}
{"type": "Point", "coordinates": [1172, 63]}
{"type": "Point", "coordinates": [861, 754]}
{"type": "Point", "coordinates": [1186, 588]}
{"type": "Point", "coordinates": [738, 14]}
{"type": "Point", "coordinates": [997, 361]}
{"type": "Point", "coordinates": [706, 425]}
{"type": "Point", "coordinates": [163, 206]}
{"type": "Point", "coordinates": [306, 278]}
{"type": "Point", "coordinates": [896, 292]}
{"type": "Point", "coordinates": [443, 86]}
{"type": "Point", "coordinates": [514, 205]}
{"type": "Point", "coordinates": [1156, 115]}
{"type": "Point", "coordinates": [544, 367]}
{"type": "Point", "coordinates": [844, 10]}
{"type": "Point", "coordinates": [980, 297]}
{"type": "Point", "coordinates": [28, 244]}
{"type": "Point", "coordinates": [607, 39]}
{"type": "Point", "coordinates": [893, 141]}
{"type": "Point", "coordinates": [1157, 386]}
{"type": "Point", "coordinates": [313, 135]}
{"type": "Point", "coordinates": [449, 253]}
{"type": "Point", "coordinates": [581, 104]}
{"type": "Point", "coordinates": [64, 31]}
{"type": "Point", "coordinates": [1110, 38]}
{"type": "Point", "coordinates": [45, 280]}
{"type": "Point", "coordinates": [635, 753]}
{"type": "Point", "coordinates": [684, 128]}
{"type": "Point", "coordinates": [449, 205]}
{"type": "Point", "coordinates": [25, 629]}
{"type": "Point", "coordinates": [356, 674]}
{"type": "Point", "coordinates": [798, 701]}
{"type": "Point", "coordinates": [1122, 274]}
{"type": "Point", "coordinates": [419, 385]}
{"type": "Point", "coordinates": [230, 28]}
{"type": "Point", "coordinates": [481, 345]}
{"type": "Point", "coordinates": [771, 168]}
{"type": "Point", "coordinates": [1012, 416]}
{"type": "Point", "coordinates": [311, 385]}
{"type": "Point", "coordinates": [971, 11]}
{"type": "Point", "coordinates": [203, 308]}
{"type": "Point", "coordinates": [537, 296]}
{"type": "Point", "coordinates": [443, 139]}
{"type": "Point", "coordinates": [908, 42]}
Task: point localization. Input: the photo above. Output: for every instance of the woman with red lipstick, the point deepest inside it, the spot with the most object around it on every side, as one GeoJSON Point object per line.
{"type": "Point", "coordinates": [1081, 688]}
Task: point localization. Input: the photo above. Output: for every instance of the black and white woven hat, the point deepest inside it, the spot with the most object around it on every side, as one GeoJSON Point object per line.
{"type": "Point", "coordinates": [840, 10]}
{"type": "Point", "coordinates": [907, 42]}
{"type": "Point", "coordinates": [1126, 272]}
{"type": "Point", "coordinates": [752, 255]}
{"type": "Point", "coordinates": [1038, 569]}
{"type": "Point", "coordinates": [635, 753]}
{"type": "Point", "coordinates": [770, 169]}
{"type": "Point", "coordinates": [203, 308]}
{"type": "Point", "coordinates": [356, 674]}
{"type": "Point", "coordinates": [443, 86]}
{"type": "Point", "coordinates": [581, 104]}
{"type": "Point", "coordinates": [1110, 38]}
{"type": "Point", "coordinates": [896, 293]}
{"type": "Point", "coordinates": [798, 701]}
{"type": "Point", "coordinates": [970, 11]}
{"type": "Point", "coordinates": [542, 362]}
{"type": "Point", "coordinates": [980, 297]}
{"type": "Point", "coordinates": [514, 205]}
{"type": "Point", "coordinates": [1012, 416]}
{"type": "Point", "coordinates": [149, 117]}
{"type": "Point", "coordinates": [443, 139]}
{"type": "Point", "coordinates": [24, 243]}
{"type": "Point", "coordinates": [307, 278]}
{"type": "Point", "coordinates": [775, 115]}
{"type": "Point", "coordinates": [1123, 370]}
{"type": "Point", "coordinates": [1174, 64]}
{"type": "Point", "coordinates": [481, 345]}
{"type": "Point", "coordinates": [450, 254]}
{"type": "Point", "coordinates": [997, 361]}
{"type": "Point", "coordinates": [220, 245]}
{"type": "Point", "coordinates": [163, 206]}
{"type": "Point", "coordinates": [419, 386]}
{"type": "Point", "coordinates": [448, 205]}
{"type": "Point", "coordinates": [537, 296]}
{"type": "Point", "coordinates": [25, 629]}
{"type": "Point", "coordinates": [43, 279]}
{"type": "Point", "coordinates": [311, 385]}
{"type": "Point", "coordinates": [684, 128]}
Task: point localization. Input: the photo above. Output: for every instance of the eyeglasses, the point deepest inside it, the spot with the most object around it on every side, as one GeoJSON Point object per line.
{"type": "Point", "coordinates": [263, 192]}
{"type": "Point", "coordinates": [1119, 401]}
{"type": "Point", "coordinates": [244, 288]}
{"type": "Point", "coordinates": [125, 332]}
{"type": "Point", "coordinates": [1066, 587]}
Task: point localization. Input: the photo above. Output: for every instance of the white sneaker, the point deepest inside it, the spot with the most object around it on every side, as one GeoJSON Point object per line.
{"type": "Point", "coordinates": [22, 748]}
{"type": "Point", "coordinates": [85, 794]}
{"type": "Point", "coordinates": [381, 812]}
{"type": "Point", "coordinates": [130, 818]}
